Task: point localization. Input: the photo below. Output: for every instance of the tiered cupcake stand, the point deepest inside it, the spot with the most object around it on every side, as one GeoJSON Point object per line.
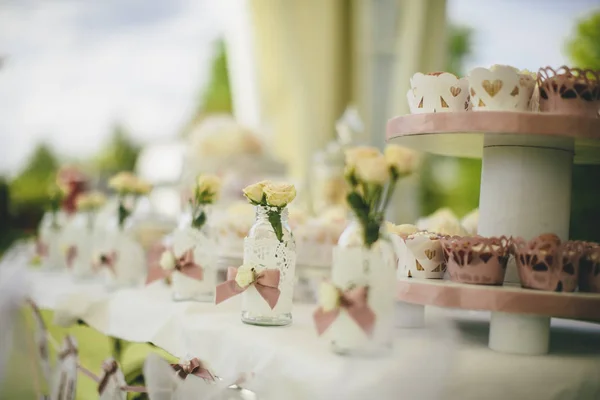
{"type": "Point", "coordinates": [525, 192]}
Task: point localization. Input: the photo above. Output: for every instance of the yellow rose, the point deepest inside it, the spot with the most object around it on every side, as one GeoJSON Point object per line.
{"type": "Point", "coordinates": [373, 170]}
{"type": "Point", "coordinates": [354, 154]}
{"type": "Point", "coordinates": [279, 194]}
{"type": "Point", "coordinates": [254, 193]}
{"type": "Point", "coordinates": [403, 160]}
{"type": "Point", "coordinates": [123, 182]}
{"type": "Point", "coordinates": [90, 201]}
{"type": "Point", "coordinates": [329, 297]}
{"type": "Point", "coordinates": [141, 187]}
{"type": "Point", "coordinates": [244, 276]}
{"type": "Point", "coordinates": [209, 187]}
{"type": "Point", "coordinates": [167, 260]}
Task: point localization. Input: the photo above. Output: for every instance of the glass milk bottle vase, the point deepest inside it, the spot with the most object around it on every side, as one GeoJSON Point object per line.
{"type": "Point", "coordinates": [369, 276]}
{"type": "Point", "coordinates": [194, 275]}
{"type": "Point", "coordinates": [120, 259]}
{"type": "Point", "coordinates": [81, 245]}
{"type": "Point", "coordinates": [263, 250]}
{"type": "Point", "coordinates": [48, 246]}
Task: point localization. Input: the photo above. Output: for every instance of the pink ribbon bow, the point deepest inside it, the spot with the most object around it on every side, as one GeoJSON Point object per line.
{"type": "Point", "coordinates": [71, 255]}
{"type": "Point", "coordinates": [41, 248]}
{"type": "Point", "coordinates": [107, 261]}
{"type": "Point", "coordinates": [187, 266]}
{"type": "Point", "coordinates": [193, 367]}
{"type": "Point", "coordinates": [354, 301]}
{"type": "Point", "coordinates": [109, 368]}
{"type": "Point", "coordinates": [266, 283]}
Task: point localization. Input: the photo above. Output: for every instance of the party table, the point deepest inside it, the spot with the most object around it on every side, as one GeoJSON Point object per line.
{"type": "Point", "coordinates": [448, 359]}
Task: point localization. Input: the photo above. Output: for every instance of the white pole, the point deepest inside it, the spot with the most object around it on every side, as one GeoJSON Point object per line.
{"type": "Point", "coordinates": [519, 333]}
{"type": "Point", "coordinates": [525, 188]}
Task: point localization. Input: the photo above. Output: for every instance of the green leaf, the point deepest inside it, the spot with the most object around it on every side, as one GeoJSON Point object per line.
{"type": "Point", "coordinates": [275, 220]}
{"type": "Point", "coordinates": [123, 213]}
{"type": "Point", "coordinates": [199, 221]}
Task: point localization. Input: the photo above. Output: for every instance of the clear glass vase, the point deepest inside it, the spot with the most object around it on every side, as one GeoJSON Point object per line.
{"type": "Point", "coordinates": [79, 242]}
{"type": "Point", "coordinates": [49, 245]}
{"type": "Point", "coordinates": [203, 243]}
{"type": "Point", "coordinates": [355, 265]}
{"type": "Point", "coordinates": [126, 266]}
{"type": "Point", "coordinates": [263, 250]}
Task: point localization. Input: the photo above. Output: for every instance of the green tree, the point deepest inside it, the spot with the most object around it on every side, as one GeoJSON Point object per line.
{"type": "Point", "coordinates": [215, 98]}
{"type": "Point", "coordinates": [583, 48]}
{"type": "Point", "coordinates": [119, 153]}
{"type": "Point", "coordinates": [29, 190]}
{"type": "Point", "coordinates": [459, 192]}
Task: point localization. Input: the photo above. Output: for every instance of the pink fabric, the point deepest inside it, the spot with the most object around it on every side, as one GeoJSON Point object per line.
{"type": "Point", "coordinates": [187, 266]}
{"type": "Point", "coordinates": [107, 261]}
{"type": "Point", "coordinates": [354, 301]}
{"type": "Point", "coordinates": [41, 248]}
{"type": "Point", "coordinates": [193, 367]}
{"type": "Point", "coordinates": [266, 283]}
{"type": "Point", "coordinates": [109, 368]}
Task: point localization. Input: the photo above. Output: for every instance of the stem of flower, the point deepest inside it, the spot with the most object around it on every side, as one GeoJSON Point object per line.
{"type": "Point", "coordinates": [388, 196]}
{"type": "Point", "coordinates": [275, 220]}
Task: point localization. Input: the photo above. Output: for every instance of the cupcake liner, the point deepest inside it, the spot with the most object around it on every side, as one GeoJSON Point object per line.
{"type": "Point", "coordinates": [477, 260]}
{"type": "Point", "coordinates": [424, 257]}
{"type": "Point", "coordinates": [589, 269]}
{"type": "Point", "coordinates": [546, 263]}
{"type": "Point", "coordinates": [500, 88]}
{"type": "Point", "coordinates": [437, 92]}
{"type": "Point", "coordinates": [569, 91]}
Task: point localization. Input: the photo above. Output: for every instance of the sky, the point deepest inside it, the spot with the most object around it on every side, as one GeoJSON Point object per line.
{"type": "Point", "coordinates": [74, 68]}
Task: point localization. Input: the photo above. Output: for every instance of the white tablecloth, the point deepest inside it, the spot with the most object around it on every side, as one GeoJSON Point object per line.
{"type": "Point", "coordinates": [439, 362]}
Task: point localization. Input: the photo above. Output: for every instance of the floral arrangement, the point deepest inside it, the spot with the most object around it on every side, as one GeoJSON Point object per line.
{"type": "Point", "coordinates": [274, 197]}
{"type": "Point", "coordinates": [55, 196]}
{"type": "Point", "coordinates": [372, 179]}
{"type": "Point", "coordinates": [206, 192]}
{"type": "Point", "coordinates": [128, 187]}
{"type": "Point", "coordinates": [89, 203]}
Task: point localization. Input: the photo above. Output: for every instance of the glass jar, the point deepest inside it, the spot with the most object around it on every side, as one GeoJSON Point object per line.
{"type": "Point", "coordinates": [120, 258]}
{"type": "Point", "coordinates": [263, 250]}
{"type": "Point", "coordinates": [79, 242]}
{"type": "Point", "coordinates": [355, 265]}
{"type": "Point", "coordinates": [187, 283]}
{"type": "Point", "coordinates": [49, 244]}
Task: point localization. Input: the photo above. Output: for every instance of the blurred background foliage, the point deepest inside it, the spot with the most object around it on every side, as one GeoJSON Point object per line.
{"type": "Point", "coordinates": [446, 181]}
{"type": "Point", "coordinates": [583, 48]}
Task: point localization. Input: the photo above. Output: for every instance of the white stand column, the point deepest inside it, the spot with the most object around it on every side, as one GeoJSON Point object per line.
{"type": "Point", "coordinates": [409, 315]}
{"type": "Point", "coordinates": [519, 333]}
{"type": "Point", "coordinates": [525, 188]}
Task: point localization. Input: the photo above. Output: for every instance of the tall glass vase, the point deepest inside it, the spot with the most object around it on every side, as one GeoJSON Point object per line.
{"type": "Point", "coordinates": [49, 241]}
{"type": "Point", "coordinates": [358, 266]}
{"type": "Point", "coordinates": [264, 250]}
{"type": "Point", "coordinates": [121, 259]}
{"type": "Point", "coordinates": [195, 249]}
{"type": "Point", "coordinates": [80, 245]}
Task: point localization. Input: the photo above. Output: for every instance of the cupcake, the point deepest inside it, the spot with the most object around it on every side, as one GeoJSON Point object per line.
{"type": "Point", "coordinates": [398, 235]}
{"type": "Point", "coordinates": [546, 263]}
{"type": "Point", "coordinates": [569, 91]}
{"type": "Point", "coordinates": [500, 88]}
{"type": "Point", "coordinates": [437, 92]}
{"type": "Point", "coordinates": [589, 269]}
{"type": "Point", "coordinates": [424, 257]}
{"type": "Point", "coordinates": [476, 260]}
